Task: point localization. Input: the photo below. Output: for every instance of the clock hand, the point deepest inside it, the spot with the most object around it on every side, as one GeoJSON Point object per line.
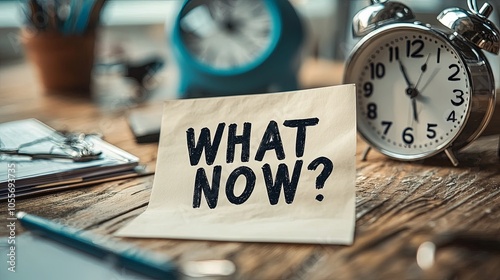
{"type": "Point", "coordinates": [415, 91]}
{"type": "Point", "coordinates": [199, 22]}
{"type": "Point", "coordinates": [434, 73]}
{"type": "Point", "coordinates": [410, 91]}
{"type": "Point", "coordinates": [423, 69]}
{"type": "Point", "coordinates": [219, 10]}
{"type": "Point", "coordinates": [405, 75]}
{"type": "Point", "coordinates": [414, 106]}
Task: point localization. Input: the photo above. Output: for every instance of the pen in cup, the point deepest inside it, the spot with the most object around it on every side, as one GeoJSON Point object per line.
{"type": "Point", "coordinates": [69, 17]}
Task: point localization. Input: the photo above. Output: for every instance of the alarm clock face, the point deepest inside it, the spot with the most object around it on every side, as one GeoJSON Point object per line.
{"type": "Point", "coordinates": [227, 35]}
{"type": "Point", "coordinates": [413, 91]}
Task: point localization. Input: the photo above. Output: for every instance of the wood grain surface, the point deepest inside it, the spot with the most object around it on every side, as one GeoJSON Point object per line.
{"type": "Point", "coordinates": [399, 205]}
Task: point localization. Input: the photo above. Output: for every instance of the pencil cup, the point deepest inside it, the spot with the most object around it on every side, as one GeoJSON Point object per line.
{"type": "Point", "coordinates": [63, 63]}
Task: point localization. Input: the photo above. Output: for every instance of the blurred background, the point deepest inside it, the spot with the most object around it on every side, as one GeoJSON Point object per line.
{"type": "Point", "coordinates": [135, 30]}
{"type": "Point", "coordinates": [329, 21]}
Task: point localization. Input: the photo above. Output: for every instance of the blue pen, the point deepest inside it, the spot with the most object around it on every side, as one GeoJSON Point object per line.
{"type": "Point", "coordinates": [67, 27]}
{"type": "Point", "coordinates": [131, 259]}
{"type": "Point", "coordinates": [82, 19]}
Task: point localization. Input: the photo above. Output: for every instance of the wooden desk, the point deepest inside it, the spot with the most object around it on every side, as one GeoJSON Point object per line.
{"type": "Point", "coordinates": [399, 205]}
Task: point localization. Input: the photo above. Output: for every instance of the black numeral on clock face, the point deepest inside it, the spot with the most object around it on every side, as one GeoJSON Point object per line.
{"type": "Point", "coordinates": [408, 136]}
{"type": "Point", "coordinates": [372, 111]}
{"type": "Point", "coordinates": [459, 98]}
{"type": "Point", "coordinates": [393, 54]}
{"type": "Point", "coordinates": [387, 126]}
{"type": "Point", "coordinates": [453, 77]}
{"type": "Point", "coordinates": [452, 117]}
{"type": "Point", "coordinates": [431, 133]}
{"type": "Point", "coordinates": [414, 48]}
{"type": "Point", "coordinates": [368, 89]}
{"type": "Point", "coordinates": [377, 70]}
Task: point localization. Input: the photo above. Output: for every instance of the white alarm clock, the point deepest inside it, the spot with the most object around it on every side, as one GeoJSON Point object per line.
{"type": "Point", "coordinates": [422, 90]}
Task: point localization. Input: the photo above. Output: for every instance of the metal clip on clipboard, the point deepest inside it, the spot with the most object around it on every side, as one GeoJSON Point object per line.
{"type": "Point", "coordinates": [73, 146]}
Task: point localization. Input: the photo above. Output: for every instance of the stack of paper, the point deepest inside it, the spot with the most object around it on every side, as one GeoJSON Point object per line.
{"type": "Point", "coordinates": [22, 175]}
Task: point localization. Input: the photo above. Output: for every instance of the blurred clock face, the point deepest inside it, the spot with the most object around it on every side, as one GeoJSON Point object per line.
{"type": "Point", "coordinates": [227, 34]}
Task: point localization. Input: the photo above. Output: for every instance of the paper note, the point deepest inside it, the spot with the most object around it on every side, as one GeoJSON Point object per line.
{"type": "Point", "coordinates": [260, 168]}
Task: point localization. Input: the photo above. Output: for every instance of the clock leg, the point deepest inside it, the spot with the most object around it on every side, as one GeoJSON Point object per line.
{"type": "Point", "coordinates": [365, 153]}
{"type": "Point", "coordinates": [451, 156]}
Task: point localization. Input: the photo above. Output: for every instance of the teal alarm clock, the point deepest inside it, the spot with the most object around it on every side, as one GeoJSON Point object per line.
{"type": "Point", "coordinates": [228, 47]}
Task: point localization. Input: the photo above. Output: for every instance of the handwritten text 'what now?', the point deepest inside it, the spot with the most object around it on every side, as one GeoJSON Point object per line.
{"type": "Point", "coordinates": [208, 182]}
